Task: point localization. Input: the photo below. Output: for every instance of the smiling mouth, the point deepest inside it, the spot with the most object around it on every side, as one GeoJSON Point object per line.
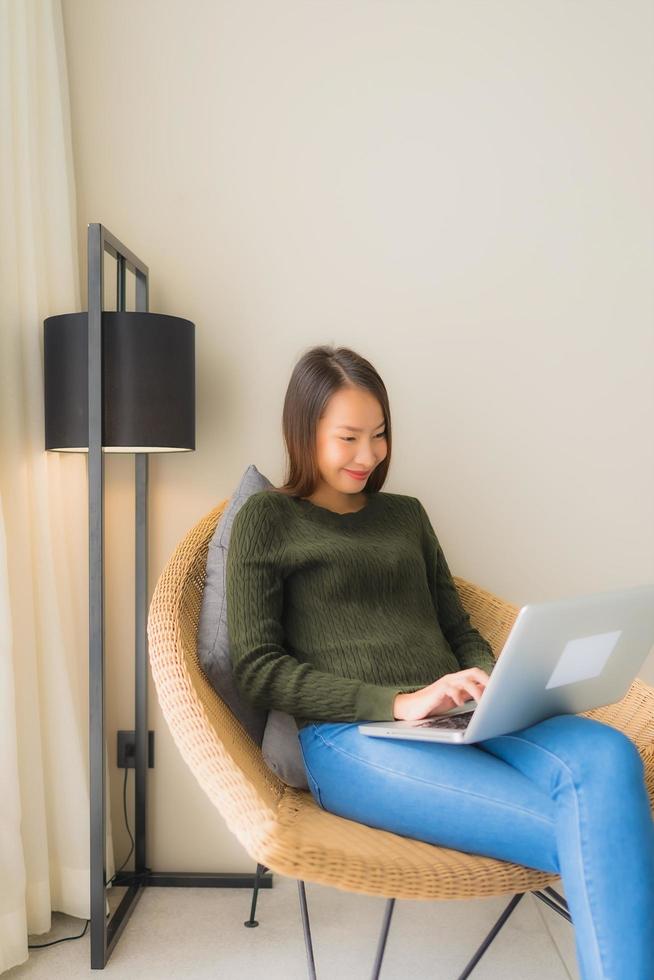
{"type": "Point", "coordinates": [354, 473]}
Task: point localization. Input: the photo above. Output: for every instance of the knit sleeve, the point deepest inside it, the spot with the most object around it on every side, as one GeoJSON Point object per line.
{"type": "Point", "coordinates": [468, 645]}
{"type": "Point", "coordinates": [264, 672]}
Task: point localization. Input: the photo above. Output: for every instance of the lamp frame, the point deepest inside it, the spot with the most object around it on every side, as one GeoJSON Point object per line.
{"type": "Point", "coordinates": [105, 934]}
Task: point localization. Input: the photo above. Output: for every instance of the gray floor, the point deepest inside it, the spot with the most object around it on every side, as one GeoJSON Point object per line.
{"type": "Point", "coordinates": [198, 933]}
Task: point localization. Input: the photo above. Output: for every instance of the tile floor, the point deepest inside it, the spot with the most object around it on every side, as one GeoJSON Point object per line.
{"type": "Point", "coordinates": [198, 934]}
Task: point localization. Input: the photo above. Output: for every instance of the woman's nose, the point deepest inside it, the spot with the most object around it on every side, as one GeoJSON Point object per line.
{"type": "Point", "coordinates": [367, 461]}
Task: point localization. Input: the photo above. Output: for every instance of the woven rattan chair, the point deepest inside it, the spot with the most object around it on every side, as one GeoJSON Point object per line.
{"type": "Point", "coordinates": [282, 828]}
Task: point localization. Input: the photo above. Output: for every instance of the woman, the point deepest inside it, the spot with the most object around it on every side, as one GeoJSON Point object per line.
{"type": "Point", "coordinates": [341, 608]}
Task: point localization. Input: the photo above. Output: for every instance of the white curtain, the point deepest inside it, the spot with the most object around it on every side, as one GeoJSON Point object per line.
{"type": "Point", "coordinates": [44, 796]}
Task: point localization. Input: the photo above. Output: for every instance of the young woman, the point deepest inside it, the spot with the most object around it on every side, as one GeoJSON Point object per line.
{"type": "Point", "coordinates": [341, 608]}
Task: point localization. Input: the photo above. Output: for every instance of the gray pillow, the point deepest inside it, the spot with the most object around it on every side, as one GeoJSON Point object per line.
{"type": "Point", "coordinates": [275, 731]}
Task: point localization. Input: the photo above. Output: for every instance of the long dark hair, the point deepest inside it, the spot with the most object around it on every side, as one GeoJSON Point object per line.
{"type": "Point", "coordinates": [320, 372]}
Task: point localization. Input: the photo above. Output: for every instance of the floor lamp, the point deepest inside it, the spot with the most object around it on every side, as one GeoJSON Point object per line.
{"type": "Point", "coordinates": [120, 382]}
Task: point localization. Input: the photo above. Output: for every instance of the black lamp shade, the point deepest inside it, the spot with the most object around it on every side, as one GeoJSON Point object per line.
{"type": "Point", "coordinates": [148, 379]}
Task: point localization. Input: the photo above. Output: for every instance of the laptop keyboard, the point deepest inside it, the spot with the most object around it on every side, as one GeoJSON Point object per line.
{"type": "Point", "coordinates": [448, 721]}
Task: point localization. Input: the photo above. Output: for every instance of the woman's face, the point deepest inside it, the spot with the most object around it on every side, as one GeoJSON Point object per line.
{"type": "Point", "coordinates": [359, 448]}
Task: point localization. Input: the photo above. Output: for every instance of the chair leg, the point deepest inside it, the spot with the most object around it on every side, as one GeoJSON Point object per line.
{"type": "Point", "coordinates": [490, 937]}
{"type": "Point", "coordinates": [560, 899]}
{"type": "Point", "coordinates": [386, 923]}
{"type": "Point", "coordinates": [252, 922]}
{"type": "Point", "coordinates": [381, 945]}
{"type": "Point", "coordinates": [311, 966]}
{"type": "Point", "coordinates": [560, 905]}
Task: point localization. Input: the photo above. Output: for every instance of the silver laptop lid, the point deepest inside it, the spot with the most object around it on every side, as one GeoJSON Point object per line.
{"type": "Point", "coordinates": [574, 655]}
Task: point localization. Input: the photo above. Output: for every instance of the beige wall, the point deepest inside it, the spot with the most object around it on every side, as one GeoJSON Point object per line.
{"type": "Point", "coordinates": [461, 191]}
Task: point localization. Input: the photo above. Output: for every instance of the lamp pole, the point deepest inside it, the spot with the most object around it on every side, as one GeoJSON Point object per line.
{"type": "Point", "coordinates": [105, 935]}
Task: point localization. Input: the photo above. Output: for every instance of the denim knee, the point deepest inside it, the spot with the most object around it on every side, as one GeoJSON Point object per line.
{"type": "Point", "coordinates": [611, 751]}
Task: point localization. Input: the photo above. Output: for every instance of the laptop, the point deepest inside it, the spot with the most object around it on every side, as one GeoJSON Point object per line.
{"type": "Point", "coordinates": [561, 657]}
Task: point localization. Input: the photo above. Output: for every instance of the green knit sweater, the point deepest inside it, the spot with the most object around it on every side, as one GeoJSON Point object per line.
{"type": "Point", "coordinates": [331, 615]}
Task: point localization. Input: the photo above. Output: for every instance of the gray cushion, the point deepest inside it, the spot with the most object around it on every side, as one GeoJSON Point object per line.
{"type": "Point", "coordinates": [275, 731]}
{"type": "Point", "coordinates": [281, 749]}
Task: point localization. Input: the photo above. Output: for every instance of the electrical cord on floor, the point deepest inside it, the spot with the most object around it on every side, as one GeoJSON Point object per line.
{"type": "Point", "coordinates": [66, 939]}
{"type": "Point", "coordinates": [132, 878]}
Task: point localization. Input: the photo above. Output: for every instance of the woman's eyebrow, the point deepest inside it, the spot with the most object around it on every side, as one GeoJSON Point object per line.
{"type": "Point", "coordinates": [351, 428]}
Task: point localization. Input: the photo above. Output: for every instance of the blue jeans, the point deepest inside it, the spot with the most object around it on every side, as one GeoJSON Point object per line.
{"type": "Point", "coordinates": [566, 795]}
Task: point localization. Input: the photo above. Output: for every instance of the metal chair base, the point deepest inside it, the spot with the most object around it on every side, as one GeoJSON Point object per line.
{"type": "Point", "coordinates": [556, 902]}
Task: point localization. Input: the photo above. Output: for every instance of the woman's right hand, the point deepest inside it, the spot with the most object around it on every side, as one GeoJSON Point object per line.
{"type": "Point", "coordinates": [448, 691]}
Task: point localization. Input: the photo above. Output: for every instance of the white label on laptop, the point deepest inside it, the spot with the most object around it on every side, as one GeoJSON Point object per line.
{"type": "Point", "coordinates": [583, 658]}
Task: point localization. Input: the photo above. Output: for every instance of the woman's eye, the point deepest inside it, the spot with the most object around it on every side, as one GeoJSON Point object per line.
{"type": "Point", "coordinates": [380, 435]}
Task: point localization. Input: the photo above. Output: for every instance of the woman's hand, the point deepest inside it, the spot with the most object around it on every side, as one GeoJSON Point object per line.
{"type": "Point", "coordinates": [448, 691]}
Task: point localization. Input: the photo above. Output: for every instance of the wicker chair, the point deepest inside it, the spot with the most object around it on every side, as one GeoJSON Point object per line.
{"type": "Point", "coordinates": [281, 827]}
